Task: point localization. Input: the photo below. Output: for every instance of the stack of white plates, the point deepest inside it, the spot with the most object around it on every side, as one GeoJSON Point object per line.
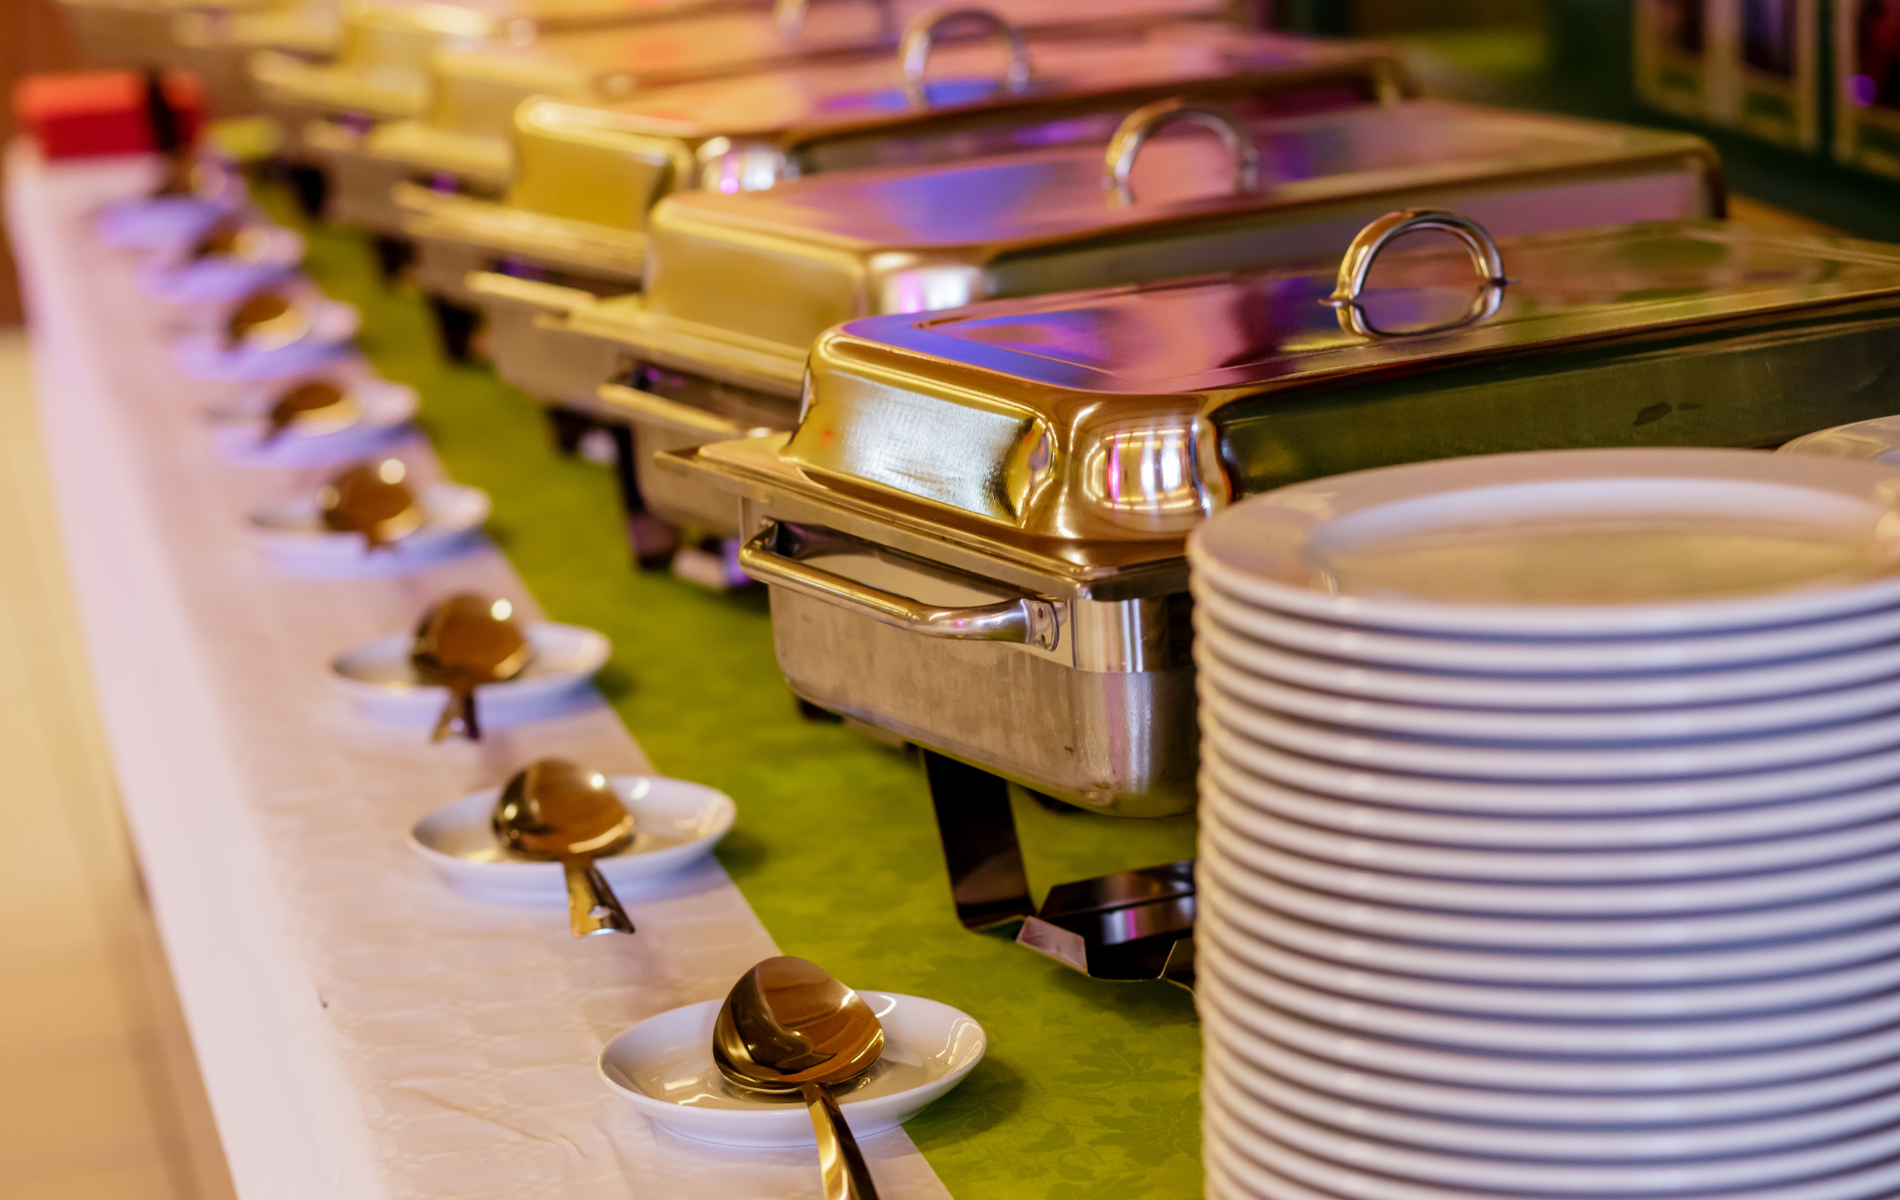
{"type": "Point", "coordinates": [1551, 830]}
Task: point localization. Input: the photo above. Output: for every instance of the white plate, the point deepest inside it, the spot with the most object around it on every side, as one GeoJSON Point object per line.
{"type": "Point", "coordinates": [378, 677]}
{"type": "Point", "coordinates": [161, 222]}
{"type": "Point", "coordinates": [1552, 799]}
{"type": "Point", "coordinates": [1598, 763]}
{"type": "Point", "coordinates": [1269, 1130]}
{"type": "Point", "coordinates": [1846, 1091]}
{"type": "Point", "coordinates": [1651, 842]}
{"type": "Point", "coordinates": [204, 356]}
{"type": "Point", "coordinates": [1877, 440]}
{"type": "Point", "coordinates": [676, 823]}
{"type": "Point", "coordinates": [216, 279]}
{"type": "Point", "coordinates": [1569, 543]}
{"type": "Point", "coordinates": [1650, 1042]}
{"type": "Point", "coordinates": [1515, 657]}
{"type": "Point", "coordinates": [386, 408]}
{"type": "Point", "coordinates": [1532, 935]}
{"type": "Point", "coordinates": [663, 1066]}
{"type": "Point", "coordinates": [1665, 691]}
{"type": "Point", "coordinates": [1247, 1095]}
{"type": "Point", "coordinates": [1661, 1079]}
{"type": "Point", "coordinates": [1254, 815]}
{"type": "Point", "coordinates": [294, 538]}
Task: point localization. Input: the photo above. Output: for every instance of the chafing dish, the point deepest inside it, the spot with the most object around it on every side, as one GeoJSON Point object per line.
{"type": "Point", "coordinates": [974, 536]}
{"type": "Point", "coordinates": [462, 142]}
{"type": "Point", "coordinates": [380, 69]}
{"type": "Point", "coordinates": [210, 38]}
{"type": "Point", "coordinates": [738, 287]}
{"type": "Point", "coordinates": [586, 175]}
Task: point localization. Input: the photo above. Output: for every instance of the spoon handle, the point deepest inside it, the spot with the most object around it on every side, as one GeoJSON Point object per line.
{"type": "Point", "coordinates": [592, 906]}
{"type": "Point", "coordinates": [839, 1160]}
{"type": "Point", "coordinates": [460, 710]}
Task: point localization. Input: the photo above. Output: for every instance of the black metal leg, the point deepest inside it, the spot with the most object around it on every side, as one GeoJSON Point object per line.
{"type": "Point", "coordinates": [569, 427]}
{"type": "Point", "coordinates": [1129, 925]}
{"type": "Point", "coordinates": [394, 256]}
{"type": "Point", "coordinates": [310, 187]}
{"type": "Point", "coordinates": [455, 325]}
{"type": "Point", "coordinates": [978, 832]}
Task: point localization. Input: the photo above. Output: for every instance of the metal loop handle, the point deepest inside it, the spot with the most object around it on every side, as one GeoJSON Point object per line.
{"type": "Point", "coordinates": [788, 16]}
{"type": "Point", "coordinates": [1365, 248]}
{"type": "Point", "coordinates": [1135, 130]}
{"type": "Point", "coordinates": [1027, 621]}
{"type": "Point", "coordinates": [921, 37]}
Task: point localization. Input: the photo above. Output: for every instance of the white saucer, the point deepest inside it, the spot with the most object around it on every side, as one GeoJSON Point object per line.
{"type": "Point", "coordinates": [387, 408]}
{"type": "Point", "coordinates": [1568, 544]}
{"type": "Point", "coordinates": [162, 222]}
{"type": "Point", "coordinates": [1503, 724]}
{"type": "Point", "coordinates": [216, 279]}
{"type": "Point", "coordinates": [378, 677]}
{"type": "Point", "coordinates": [663, 1066]}
{"type": "Point", "coordinates": [294, 538]}
{"type": "Point", "coordinates": [676, 823]}
{"type": "Point", "coordinates": [1512, 657]}
{"type": "Point", "coordinates": [204, 356]}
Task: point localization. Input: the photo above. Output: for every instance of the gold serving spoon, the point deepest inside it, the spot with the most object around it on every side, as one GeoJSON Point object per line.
{"type": "Point", "coordinates": [463, 642]}
{"type": "Point", "coordinates": [555, 809]}
{"type": "Point", "coordinates": [371, 498]}
{"type": "Point", "coordinates": [788, 1027]}
{"type": "Point", "coordinates": [317, 405]}
{"type": "Point", "coordinates": [265, 319]}
{"type": "Point", "coordinates": [229, 238]}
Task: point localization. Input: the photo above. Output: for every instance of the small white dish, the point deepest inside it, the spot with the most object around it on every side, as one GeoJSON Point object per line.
{"type": "Point", "coordinates": [273, 254]}
{"type": "Point", "coordinates": [1685, 689]}
{"type": "Point", "coordinates": [386, 409]}
{"type": "Point", "coordinates": [161, 222]}
{"type": "Point", "coordinates": [294, 538]}
{"type": "Point", "coordinates": [1385, 717]}
{"type": "Point", "coordinates": [1550, 659]}
{"type": "Point", "coordinates": [1643, 797]}
{"type": "Point", "coordinates": [1568, 544]}
{"type": "Point", "coordinates": [378, 677]}
{"type": "Point", "coordinates": [676, 823]}
{"type": "Point", "coordinates": [205, 356]}
{"type": "Point", "coordinates": [664, 1067]}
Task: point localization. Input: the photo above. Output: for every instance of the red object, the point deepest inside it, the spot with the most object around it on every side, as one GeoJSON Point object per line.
{"type": "Point", "coordinates": [81, 113]}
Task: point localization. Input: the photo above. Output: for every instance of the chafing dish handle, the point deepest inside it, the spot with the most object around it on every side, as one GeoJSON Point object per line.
{"type": "Point", "coordinates": [1135, 130]}
{"type": "Point", "coordinates": [1026, 621]}
{"type": "Point", "coordinates": [913, 54]}
{"type": "Point", "coordinates": [1357, 264]}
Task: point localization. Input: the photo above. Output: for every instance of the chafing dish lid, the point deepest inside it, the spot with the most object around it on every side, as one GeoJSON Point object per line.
{"type": "Point", "coordinates": [1003, 410]}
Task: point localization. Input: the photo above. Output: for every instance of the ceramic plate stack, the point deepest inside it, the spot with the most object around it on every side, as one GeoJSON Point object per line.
{"type": "Point", "coordinates": [1551, 830]}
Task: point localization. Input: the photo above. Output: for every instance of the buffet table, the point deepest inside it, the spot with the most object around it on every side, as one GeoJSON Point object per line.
{"type": "Point", "coordinates": [365, 1032]}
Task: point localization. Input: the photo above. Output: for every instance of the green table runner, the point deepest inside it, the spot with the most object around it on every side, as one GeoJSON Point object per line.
{"type": "Point", "coordinates": [1090, 1089]}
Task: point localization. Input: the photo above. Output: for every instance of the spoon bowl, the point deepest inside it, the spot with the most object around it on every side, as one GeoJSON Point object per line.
{"type": "Point", "coordinates": [556, 809]}
{"type": "Point", "coordinates": [788, 1027]}
{"type": "Point", "coordinates": [265, 320]}
{"type": "Point", "coordinates": [372, 499]}
{"type": "Point", "coordinates": [315, 406]}
{"type": "Point", "coordinates": [462, 642]}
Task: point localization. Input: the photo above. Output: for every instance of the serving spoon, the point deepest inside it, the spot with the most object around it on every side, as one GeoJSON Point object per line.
{"type": "Point", "coordinates": [788, 1027]}
{"type": "Point", "coordinates": [317, 403]}
{"type": "Point", "coordinates": [266, 319]}
{"type": "Point", "coordinates": [462, 642]}
{"type": "Point", "coordinates": [229, 238]}
{"type": "Point", "coordinates": [371, 499]}
{"type": "Point", "coordinates": [555, 809]}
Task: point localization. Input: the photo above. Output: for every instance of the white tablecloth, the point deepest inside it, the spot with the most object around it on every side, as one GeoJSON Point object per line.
{"type": "Point", "coordinates": [363, 1032]}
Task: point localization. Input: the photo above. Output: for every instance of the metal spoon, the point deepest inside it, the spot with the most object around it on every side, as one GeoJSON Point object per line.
{"type": "Point", "coordinates": [788, 1026]}
{"type": "Point", "coordinates": [265, 319]}
{"type": "Point", "coordinates": [554, 809]}
{"type": "Point", "coordinates": [229, 238]}
{"type": "Point", "coordinates": [317, 403]}
{"type": "Point", "coordinates": [461, 643]}
{"type": "Point", "coordinates": [372, 499]}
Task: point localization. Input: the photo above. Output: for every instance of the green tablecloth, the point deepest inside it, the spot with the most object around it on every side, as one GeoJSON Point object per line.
{"type": "Point", "coordinates": [1090, 1089]}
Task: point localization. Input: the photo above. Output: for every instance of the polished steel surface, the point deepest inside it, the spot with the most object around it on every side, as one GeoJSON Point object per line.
{"type": "Point", "coordinates": [461, 643]}
{"type": "Point", "coordinates": [788, 1027]}
{"type": "Point", "coordinates": [315, 405]}
{"type": "Point", "coordinates": [264, 320]}
{"type": "Point", "coordinates": [556, 809]}
{"type": "Point", "coordinates": [373, 499]}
